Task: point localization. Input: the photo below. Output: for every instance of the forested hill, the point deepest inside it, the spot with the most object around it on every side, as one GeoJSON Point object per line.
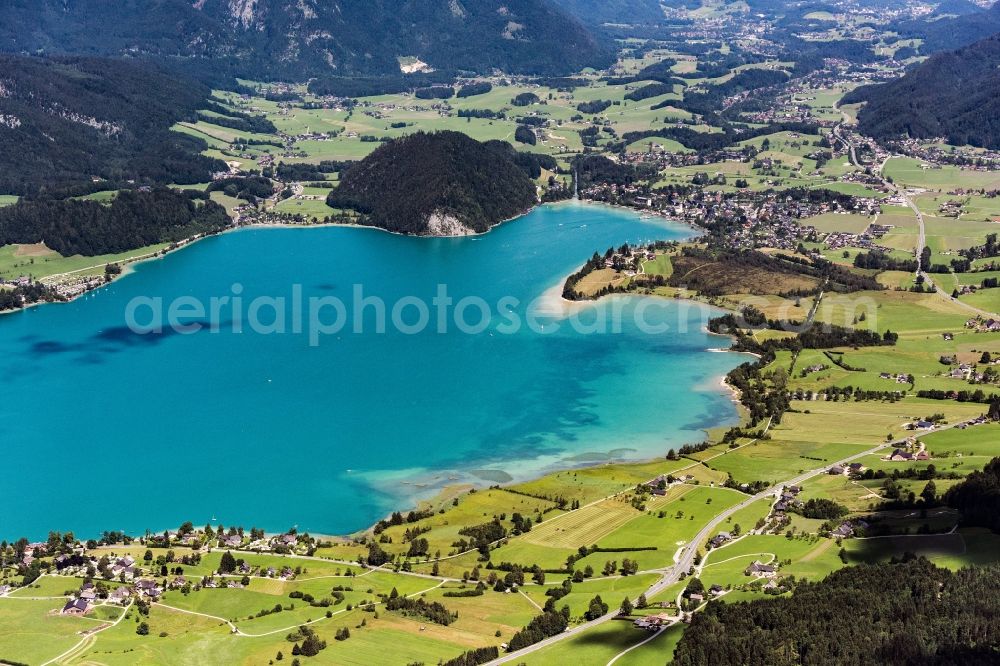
{"type": "Point", "coordinates": [66, 122]}
{"type": "Point", "coordinates": [298, 39]}
{"type": "Point", "coordinates": [893, 614]}
{"type": "Point", "coordinates": [955, 95]}
{"type": "Point", "coordinates": [443, 183]}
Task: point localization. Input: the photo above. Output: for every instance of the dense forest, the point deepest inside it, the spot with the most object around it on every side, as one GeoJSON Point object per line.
{"type": "Point", "coordinates": [299, 39]}
{"type": "Point", "coordinates": [955, 95]}
{"type": "Point", "coordinates": [68, 121]}
{"type": "Point", "coordinates": [978, 497]}
{"type": "Point", "coordinates": [405, 183]}
{"type": "Point", "coordinates": [730, 135]}
{"type": "Point", "coordinates": [905, 613]}
{"type": "Point", "coordinates": [614, 11]}
{"type": "Point", "coordinates": [133, 219]}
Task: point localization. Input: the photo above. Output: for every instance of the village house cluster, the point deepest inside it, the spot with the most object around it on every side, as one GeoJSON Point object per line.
{"type": "Point", "coordinates": [754, 219]}
{"type": "Point", "coordinates": [866, 240]}
{"type": "Point", "coordinates": [120, 576]}
{"type": "Point", "coordinates": [983, 324]}
{"type": "Point", "coordinates": [912, 449]}
{"type": "Point", "coordinates": [937, 152]}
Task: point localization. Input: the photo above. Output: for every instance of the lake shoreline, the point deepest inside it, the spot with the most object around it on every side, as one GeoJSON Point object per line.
{"type": "Point", "coordinates": [419, 492]}
{"type": "Point", "coordinates": [128, 266]}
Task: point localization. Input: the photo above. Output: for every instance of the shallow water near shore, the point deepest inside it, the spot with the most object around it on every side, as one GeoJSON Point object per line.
{"type": "Point", "coordinates": [103, 428]}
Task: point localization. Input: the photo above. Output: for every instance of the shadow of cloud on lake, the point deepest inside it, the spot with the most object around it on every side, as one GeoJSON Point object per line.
{"type": "Point", "coordinates": [708, 420]}
{"type": "Point", "coordinates": [108, 341]}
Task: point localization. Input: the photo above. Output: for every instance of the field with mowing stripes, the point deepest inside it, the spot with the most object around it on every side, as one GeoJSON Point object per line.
{"type": "Point", "coordinates": [583, 527]}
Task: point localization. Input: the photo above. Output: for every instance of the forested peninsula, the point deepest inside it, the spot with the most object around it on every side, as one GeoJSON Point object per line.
{"type": "Point", "coordinates": [441, 183]}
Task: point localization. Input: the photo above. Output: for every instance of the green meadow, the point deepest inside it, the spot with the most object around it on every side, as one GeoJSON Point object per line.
{"type": "Point", "coordinates": [40, 262]}
{"type": "Point", "coordinates": [911, 172]}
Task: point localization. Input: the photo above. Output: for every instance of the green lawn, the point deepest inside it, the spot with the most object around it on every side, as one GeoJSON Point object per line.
{"type": "Point", "coordinates": [611, 591]}
{"type": "Point", "coordinates": [845, 223]}
{"type": "Point", "coordinates": [910, 172]}
{"type": "Point", "coordinates": [657, 652]}
{"type": "Point", "coordinates": [310, 208]}
{"type": "Point", "coordinates": [40, 262]}
{"type": "Point", "coordinates": [681, 520]}
{"type": "Point", "coordinates": [33, 631]}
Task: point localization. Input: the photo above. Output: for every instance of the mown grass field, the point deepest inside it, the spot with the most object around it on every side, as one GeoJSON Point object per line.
{"type": "Point", "coordinates": [665, 526]}
{"type": "Point", "coordinates": [654, 652]}
{"type": "Point", "coordinates": [40, 262]}
{"type": "Point", "coordinates": [471, 510]}
{"type": "Point", "coordinates": [910, 172]}
{"type": "Point", "coordinates": [583, 527]}
{"type": "Point", "coordinates": [30, 632]}
{"type": "Point", "coordinates": [844, 223]}
{"type": "Point", "coordinates": [611, 591]}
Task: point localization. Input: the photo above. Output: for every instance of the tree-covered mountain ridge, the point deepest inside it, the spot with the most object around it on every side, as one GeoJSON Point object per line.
{"type": "Point", "coordinates": [68, 122]}
{"type": "Point", "coordinates": [298, 39]}
{"type": "Point", "coordinates": [437, 184]}
{"type": "Point", "coordinates": [954, 95]}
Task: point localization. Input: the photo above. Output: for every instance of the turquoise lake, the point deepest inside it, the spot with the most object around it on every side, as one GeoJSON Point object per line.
{"type": "Point", "coordinates": [106, 428]}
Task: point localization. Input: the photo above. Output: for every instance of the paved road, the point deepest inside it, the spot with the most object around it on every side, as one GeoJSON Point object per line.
{"type": "Point", "coordinates": [921, 233]}
{"type": "Point", "coordinates": [852, 156]}
{"type": "Point", "coordinates": [921, 243]}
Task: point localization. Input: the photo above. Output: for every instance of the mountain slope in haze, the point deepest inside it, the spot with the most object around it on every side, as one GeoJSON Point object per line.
{"type": "Point", "coordinates": [297, 39]}
{"type": "Point", "coordinates": [945, 34]}
{"type": "Point", "coordinates": [65, 122]}
{"type": "Point", "coordinates": [955, 95]}
{"type": "Point", "coordinates": [596, 12]}
{"type": "Point", "coordinates": [441, 184]}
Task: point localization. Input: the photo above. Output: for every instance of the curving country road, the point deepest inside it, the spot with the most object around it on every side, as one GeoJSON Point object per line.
{"type": "Point", "coordinates": [921, 230]}
{"type": "Point", "coordinates": [921, 243]}
{"type": "Point", "coordinates": [685, 560]}
{"type": "Point", "coordinates": [686, 556]}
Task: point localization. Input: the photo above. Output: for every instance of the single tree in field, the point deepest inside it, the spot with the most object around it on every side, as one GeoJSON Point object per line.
{"type": "Point", "coordinates": [596, 609]}
{"type": "Point", "coordinates": [228, 563]}
{"type": "Point", "coordinates": [929, 493]}
{"type": "Point", "coordinates": [626, 607]}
